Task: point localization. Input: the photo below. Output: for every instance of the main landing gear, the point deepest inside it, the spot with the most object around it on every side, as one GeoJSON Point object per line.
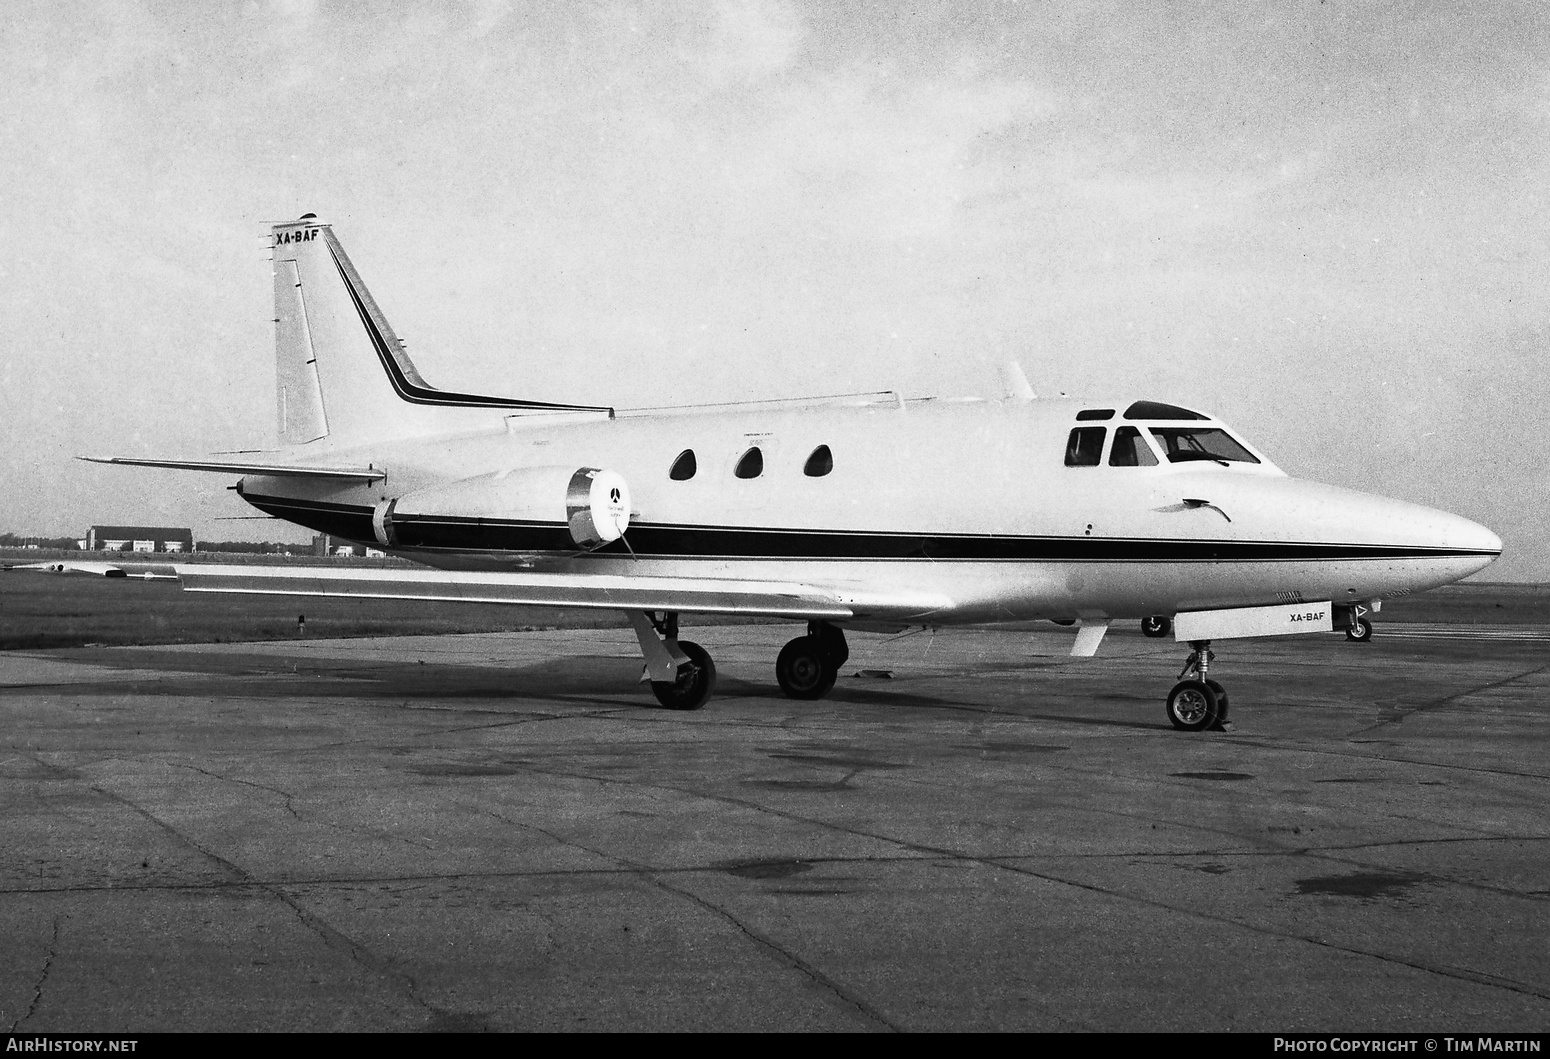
{"type": "Point", "coordinates": [1196, 702]}
{"type": "Point", "coordinates": [809, 665]}
{"type": "Point", "coordinates": [681, 673]}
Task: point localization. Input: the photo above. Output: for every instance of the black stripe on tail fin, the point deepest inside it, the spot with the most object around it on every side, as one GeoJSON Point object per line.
{"type": "Point", "coordinates": [400, 370]}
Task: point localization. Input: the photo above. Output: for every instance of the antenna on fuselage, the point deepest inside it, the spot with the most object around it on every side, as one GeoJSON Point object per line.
{"type": "Point", "coordinates": [1015, 383]}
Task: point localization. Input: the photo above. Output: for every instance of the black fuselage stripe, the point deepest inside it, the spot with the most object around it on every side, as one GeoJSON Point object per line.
{"type": "Point", "coordinates": [425, 532]}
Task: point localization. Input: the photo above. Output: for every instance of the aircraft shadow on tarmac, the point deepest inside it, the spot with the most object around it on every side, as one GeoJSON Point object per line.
{"type": "Point", "coordinates": [608, 681]}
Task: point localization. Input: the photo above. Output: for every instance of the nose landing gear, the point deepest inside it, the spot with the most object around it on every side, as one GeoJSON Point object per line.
{"type": "Point", "coordinates": [1198, 703]}
{"type": "Point", "coordinates": [1358, 628]}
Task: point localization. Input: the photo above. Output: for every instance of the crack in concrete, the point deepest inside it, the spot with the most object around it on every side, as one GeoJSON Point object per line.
{"type": "Point", "coordinates": [1460, 973]}
{"type": "Point", "coordinates": [918, 857]}
{"type": "Point", "coordinates": [782, 954]}
{"type": "Point", "coordinates": [1001, 864]}
{"type": "Point", "coordinates": [1266, 845]}
{"type": "Point", "coordinates": [654, 877]}
{"type": "Point", "coordinates": [366, 958]}
{"type": "Point", "coordinates": [37, 988]}
{"type": "Point", "coordinates": [1352, 755]}
{"type": "Point", "coordinates": [333, 939]}
{"type": "Point", "coordinates": [246, 783]}
{"type": "Point", "coordinates": [929, 851]}
{"type": "Point", "coordinates": [509, 722]}
{"type": "Point", "coordinates": [1322, 854]}
{"type": "Point", "coordinates": [1397, 714]}
{"type": "Point", "coordinates": [358, 953]}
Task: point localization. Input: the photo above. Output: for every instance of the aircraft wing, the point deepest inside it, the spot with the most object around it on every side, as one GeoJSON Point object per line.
{"type": "Point", "coordinates": [699, 595]}
{"type": "Point", "coordinates": [144, 572]}
{"type": "Point", "coordinates": [277, 470]}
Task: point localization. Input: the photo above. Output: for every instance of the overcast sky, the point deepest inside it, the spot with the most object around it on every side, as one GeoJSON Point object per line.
{"type": "Point", "coordinates": [1325, 222]}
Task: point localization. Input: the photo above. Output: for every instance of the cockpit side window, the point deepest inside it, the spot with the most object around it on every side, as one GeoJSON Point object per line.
{"type": "Point", "coordinates": [1084, 448]}
{"type": "Point", "coordinates": [1131, 450]}
{"type": "Point", "coordinates": [1183, 444]}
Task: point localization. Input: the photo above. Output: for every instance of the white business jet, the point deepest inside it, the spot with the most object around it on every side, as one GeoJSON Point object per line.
{"type": "Point", "coordinates": [864, 511]}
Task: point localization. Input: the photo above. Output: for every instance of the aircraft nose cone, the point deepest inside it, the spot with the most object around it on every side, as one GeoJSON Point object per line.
{"type": "Point", "coordinates": [1390, 546]}
{"type": "Point", "coordinates": [1461, 546]}
{"type": "Point", "coordinates": [1469, 536]}
{"type": "Point", "coordinates": [1484, 539]}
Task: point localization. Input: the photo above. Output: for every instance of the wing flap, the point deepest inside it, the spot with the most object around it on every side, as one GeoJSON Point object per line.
{"type": "Point", "coordinates": [594, 591]}
{"type": "Point", "coordinates": [276, 470]}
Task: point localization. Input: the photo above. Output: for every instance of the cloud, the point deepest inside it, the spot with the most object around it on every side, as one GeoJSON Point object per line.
{"type": "Point", "coordinates": [752, 196]}
{"type": "Point", "coordinates": [751, 39]}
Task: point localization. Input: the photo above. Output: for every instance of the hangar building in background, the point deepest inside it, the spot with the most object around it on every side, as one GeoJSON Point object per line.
{"type": "Point", "coordinates": [139, 539]}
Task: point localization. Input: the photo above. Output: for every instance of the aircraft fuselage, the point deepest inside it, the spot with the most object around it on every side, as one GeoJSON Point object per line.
{"type": "Point", "coordinates": [922, 511]}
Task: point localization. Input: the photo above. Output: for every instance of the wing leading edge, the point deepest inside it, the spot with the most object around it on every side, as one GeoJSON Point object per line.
{"type": "Point", "coordinates": [593, 591]}
{"type": "Point", "coordinates": [276, 470]}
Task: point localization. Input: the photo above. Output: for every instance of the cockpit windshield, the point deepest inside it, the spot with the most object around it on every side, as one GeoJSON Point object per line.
{"type": "Point", "coordinates": [1182, 444]}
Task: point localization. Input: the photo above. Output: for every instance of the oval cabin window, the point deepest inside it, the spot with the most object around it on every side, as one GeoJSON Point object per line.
{"type": "Point", "coordinates": [751, 465]}
{"type": "Point", "coordinates": [683, 467]}
{"type": "Point", "coordinates": [820, 463]}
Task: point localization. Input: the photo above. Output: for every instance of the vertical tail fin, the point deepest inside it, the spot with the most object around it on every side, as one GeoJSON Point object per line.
{"type": "Point", "coordinates": [299, 414]}
{"type": "Point", "coordinates": [341, 371]}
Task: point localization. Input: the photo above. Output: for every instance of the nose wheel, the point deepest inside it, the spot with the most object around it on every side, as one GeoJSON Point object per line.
{"type": "Point", "coordinates": [1359, 631]}
{"type": "Point", "coordinates": [1198, 703]}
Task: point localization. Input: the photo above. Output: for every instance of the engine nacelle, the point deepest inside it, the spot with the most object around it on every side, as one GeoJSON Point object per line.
{"type": "Point", "coordinates": [592, 504]}
{"type": "Point", "coordinates": [597, 506]}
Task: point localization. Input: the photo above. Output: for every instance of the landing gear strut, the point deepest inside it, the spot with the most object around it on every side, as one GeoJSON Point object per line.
{"type": "Point", "coordinates": [1358, 629]}
{"type": "Point", "coordinates": [681, 673]}
{"type": "Point", "coordinates": [1197, 702]}
{"type": "Point", "coordinates": [809, 665]}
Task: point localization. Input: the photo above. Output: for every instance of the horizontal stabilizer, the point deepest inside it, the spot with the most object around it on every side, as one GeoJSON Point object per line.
{"type": "Point", "coordinates": [144, 572]}
{"type": "Point", "coordinates": [277, 470]}
{"type": "Point", "coordinates": [698, 595]}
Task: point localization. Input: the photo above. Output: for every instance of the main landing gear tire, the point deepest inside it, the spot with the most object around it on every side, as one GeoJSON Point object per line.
{"type": "Point", "coordinates": [1158, 625]}
{"type": "Point", "coordinates": [805, 670]}
{"type": "Point", "coordinates": [1193, 705]}
{"type": "Point", "coordinates": [1359, 631]}
{"type": "Point", "coordinates": [694, 684]}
